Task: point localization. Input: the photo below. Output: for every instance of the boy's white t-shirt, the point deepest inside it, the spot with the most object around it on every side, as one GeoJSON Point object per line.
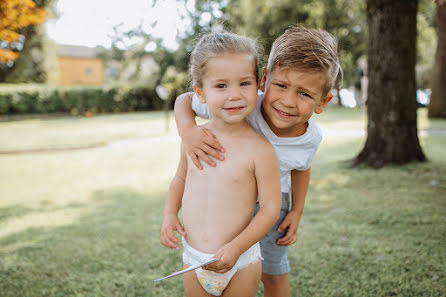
{"type": "Point", "coordinates": [293, 153]}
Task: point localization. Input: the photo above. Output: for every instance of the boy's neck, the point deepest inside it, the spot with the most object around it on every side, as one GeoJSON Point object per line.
{"type": "Point", "coordinates": [294, 132]}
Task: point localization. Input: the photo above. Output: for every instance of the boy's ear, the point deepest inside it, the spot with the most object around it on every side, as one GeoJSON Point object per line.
{"type": "Point", "coordinates": [199, 92]}
{"type": "Point", "coordinates": [323, 103]}
{"type": "Point", "coordinates": [263, 80]}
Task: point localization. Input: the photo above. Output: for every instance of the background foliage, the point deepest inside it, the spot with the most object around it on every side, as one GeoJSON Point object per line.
{"type": "Point", "coordinates": [37, 59]}
{"type": "Point", "coordinates": [261, 19]}
{"type": "Point", "coordinates": [21, 99]}
{"type": "Point", "coordinates": [14, 16]}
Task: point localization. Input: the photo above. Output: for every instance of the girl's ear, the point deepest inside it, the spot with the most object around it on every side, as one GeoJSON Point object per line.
{"type": "Point", "coordinates": [199, 92]}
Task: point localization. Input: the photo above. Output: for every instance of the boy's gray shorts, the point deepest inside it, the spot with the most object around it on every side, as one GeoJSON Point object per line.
{"type": "Point", "coordinates": [275, 257]}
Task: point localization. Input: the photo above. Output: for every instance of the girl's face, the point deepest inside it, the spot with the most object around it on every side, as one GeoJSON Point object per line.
{"type": "Point", "coordinates": [229, 87]}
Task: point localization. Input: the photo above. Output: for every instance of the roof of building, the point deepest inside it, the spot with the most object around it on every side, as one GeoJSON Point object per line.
{"type": "Point", "coordinates": [66, 50]}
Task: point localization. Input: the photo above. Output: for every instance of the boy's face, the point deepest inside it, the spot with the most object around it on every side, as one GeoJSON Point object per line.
{"type": "Point", "coordinates": [229, 87]}
{"type": "Point", "coordinates": [291, 97]}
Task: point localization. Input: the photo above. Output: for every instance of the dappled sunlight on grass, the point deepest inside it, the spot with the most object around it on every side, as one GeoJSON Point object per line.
{"type": "Point", "coordinates": [81, 132]}
{"type": "Point", "coordinates": [40, 219]}
{"type": "Point", "coordinates": [109, 249]}
{"type": "Point", "coordinates": [13, 248]}
{"type": "Point", "coordinates": [426, 123]}
{"type": "Point", "coordinates": [65, 217]}
{"type": "Point", "coordinates": [326, 197]}
{"type": "Point", "coordinates": [335, 117]}
{"type": "Point", "coordinates": [66, 177]}
{"type": "Point", "coordinates": [335, 153]}
{"type": "Point", "coordinates": [86, 222]}
{"type": "Point", "coordinates": [330, 180]}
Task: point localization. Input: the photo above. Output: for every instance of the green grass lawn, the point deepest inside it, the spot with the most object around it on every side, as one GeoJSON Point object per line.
{"type": "Point", "coordinates": [86, 222]}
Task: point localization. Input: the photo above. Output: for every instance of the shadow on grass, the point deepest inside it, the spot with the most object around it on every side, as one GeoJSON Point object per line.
{"type": "Point", "coordinates": [111, 249]}
{"type": "Point", "coordinates": [368, 232]}
{"type": "Point", "coordinates": [364, 232]}
{"type": "Point", "coordinates": [13, 211]}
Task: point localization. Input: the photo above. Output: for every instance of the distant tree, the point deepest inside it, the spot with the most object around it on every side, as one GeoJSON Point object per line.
{"type": "Point", "coordinates": [426, 43]}
{"type": "Point", "coordinates": [346, 20]}
{"type": "Point", "coordinates": [392, 136]}
{"type": "Point", "coordinates": [127, 53]}
{"type": "Point", "coordinates": [204, 17]}
{"type": "Point", "coordinates": [37, 60]}
{"type": "Point", "coordinates": [128, 48]}
{"type": "Point", "coordinates": [14, 16]}
{"type": "Point", "coordinates": [266, 20]}
{"type": "Point", "coordinates": [437, 105]}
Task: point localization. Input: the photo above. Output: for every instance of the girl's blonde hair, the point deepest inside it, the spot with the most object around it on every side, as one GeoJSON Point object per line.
{"type": "Point", "coordinates": [213, 44]}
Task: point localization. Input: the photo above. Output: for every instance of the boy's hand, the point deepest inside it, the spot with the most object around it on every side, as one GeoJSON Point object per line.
{"type": "Point", "coordinates": [228, 255]}
{"type": "Point", "coordinates": [200, 144]}
{"type": "Point", "coordinates": [290, 223]}
{"type": "Point", "coordinates": [167, 236]}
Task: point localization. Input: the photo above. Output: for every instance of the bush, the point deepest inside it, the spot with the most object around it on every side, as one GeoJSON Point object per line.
{"type": "Point", "coordinates": [34, 98]}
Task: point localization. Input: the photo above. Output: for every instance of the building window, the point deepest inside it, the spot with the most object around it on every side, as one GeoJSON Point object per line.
{"type": "Point", "coordinates": [88, 71]}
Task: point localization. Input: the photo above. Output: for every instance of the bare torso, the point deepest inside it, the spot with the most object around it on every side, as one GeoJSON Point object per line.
{"type": "Point", "coordinates": [218, 202]}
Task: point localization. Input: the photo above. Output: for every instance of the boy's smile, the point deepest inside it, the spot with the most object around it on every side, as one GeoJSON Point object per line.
{"type": "Point", "coordinates": [291, 97]}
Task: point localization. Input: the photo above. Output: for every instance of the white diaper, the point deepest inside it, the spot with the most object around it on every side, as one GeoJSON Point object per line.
{"type": "Point", "coordinates": [214, 283]}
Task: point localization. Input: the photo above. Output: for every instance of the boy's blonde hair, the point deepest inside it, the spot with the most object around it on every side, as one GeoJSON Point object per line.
{"type": "Point", "coordinates": [312, 50]}
{"type": "Point", "coordinates": [213, 44]}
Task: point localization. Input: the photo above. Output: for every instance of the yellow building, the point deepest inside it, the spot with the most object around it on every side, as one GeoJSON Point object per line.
{"type": "Point", "coordinates": [79, 65]}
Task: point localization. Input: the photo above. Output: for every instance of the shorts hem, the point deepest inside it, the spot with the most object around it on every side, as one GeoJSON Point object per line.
{"type": "Point", "coordinates": [276, 270]}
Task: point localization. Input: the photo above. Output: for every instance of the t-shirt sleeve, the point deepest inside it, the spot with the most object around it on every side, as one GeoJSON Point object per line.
{"type": "Point", "coordinates": [299, 155]}
{"type": "Point", "coordinates": [200, 109]}
{"type": "Point", "coordinates": [312, 148]}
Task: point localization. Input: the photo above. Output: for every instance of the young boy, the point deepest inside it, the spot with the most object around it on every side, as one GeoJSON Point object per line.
{"type": "Point", "coordinates": [302, 69]}
{"type": "Point", "coordinates": [218, 203]}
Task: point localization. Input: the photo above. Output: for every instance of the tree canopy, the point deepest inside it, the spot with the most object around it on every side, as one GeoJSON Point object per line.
{"type": "Point", "coordinates": [261, 19]}
{"type": "Point", "coordinates": [14, 16]}
{"type": "Point", "coordinates": [267, 20]}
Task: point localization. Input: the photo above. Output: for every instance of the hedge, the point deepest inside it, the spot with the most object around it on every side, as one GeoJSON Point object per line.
{"type": "Point", "coordinates": [32, 99]}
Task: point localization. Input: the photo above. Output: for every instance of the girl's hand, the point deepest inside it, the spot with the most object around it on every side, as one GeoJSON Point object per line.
{"type": "Point", "coordinates": [228, 255]}
{"type": "Point", "coordinates": [201, 144]}
{"type": "Point", "coordinates": [170, 224]}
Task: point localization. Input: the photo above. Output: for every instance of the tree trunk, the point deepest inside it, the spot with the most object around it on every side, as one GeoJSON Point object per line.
{"type": "Point", "coordinates": [392, 136]}
{"type": "Point", "coordinates": [437, 105]}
